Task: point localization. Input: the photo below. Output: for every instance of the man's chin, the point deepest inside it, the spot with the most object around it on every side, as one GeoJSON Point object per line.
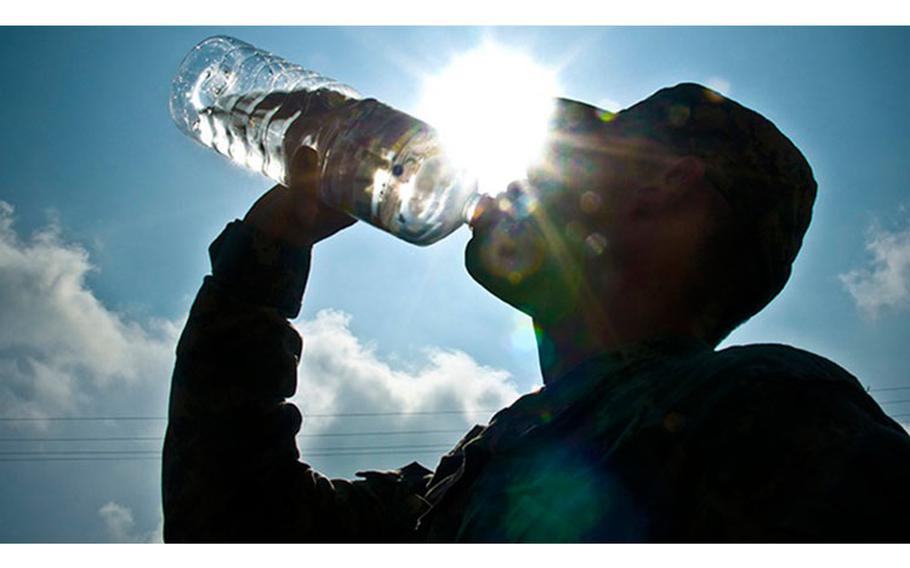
{"type": "Point", "coordinates": [475, 268]}
{"type": "Point", "coordinates": [510, 286]}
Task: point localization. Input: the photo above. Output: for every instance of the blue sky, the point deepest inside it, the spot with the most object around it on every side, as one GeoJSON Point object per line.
{"type": "Point", "coordinates": [111, 210]}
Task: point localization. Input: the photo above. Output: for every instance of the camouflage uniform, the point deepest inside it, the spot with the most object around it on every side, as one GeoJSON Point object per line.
{"type": "Point", "coordinates": [665, 441]}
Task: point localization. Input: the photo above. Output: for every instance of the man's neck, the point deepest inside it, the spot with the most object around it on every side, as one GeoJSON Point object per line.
{"type": "Point", "coordinates": [564, 346]}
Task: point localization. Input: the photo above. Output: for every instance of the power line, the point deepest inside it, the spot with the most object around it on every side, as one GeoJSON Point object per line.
{"type": "Point", "coordinates": [8, 460]}
{"type": "Point", "coordinates": [304, 450]}
{"type": "Point", "coordinates": [305, 415]}
{"type": "Point", "coordinates": [158, 457]}
{"type": "Point", "coordinates": [424, 412]}
{"type": "Point", "coordinates": [895, 401]}
{"type": "Point", "coordinates": [381, 433]}
{"type": "Point", "coordinates": [78, 452]}
{"type": "Point", "coordinates": [890, 389]}
{"type": "Point", "coordinates": [78, 418]}
{"type": "Point", "coordinates": [161, 438]}
{"type": "Point", "coordinates": [99, 439]}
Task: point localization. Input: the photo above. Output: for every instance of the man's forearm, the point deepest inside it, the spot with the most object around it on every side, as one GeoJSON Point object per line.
{"type": "Point", "coordinates": [236, 364]}
{"type": "Point", "coordinates": [230, 469]}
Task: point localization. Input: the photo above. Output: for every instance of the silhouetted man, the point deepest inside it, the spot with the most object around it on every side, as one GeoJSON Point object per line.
{"type": "Point", "coordinates": [641, 241]}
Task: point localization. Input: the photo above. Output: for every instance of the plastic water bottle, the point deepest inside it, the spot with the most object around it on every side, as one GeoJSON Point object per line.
{"type": "Point", "coordinates": [379, 164]}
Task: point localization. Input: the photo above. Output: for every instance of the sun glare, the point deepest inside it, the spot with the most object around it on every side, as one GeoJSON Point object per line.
{"type": "Point", "coordinates": [491, 107]}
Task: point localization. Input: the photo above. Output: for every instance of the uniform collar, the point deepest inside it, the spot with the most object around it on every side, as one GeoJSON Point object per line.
{"type": "Point", "coordinates": [661, 348]}
{"type": "Point", "coordinates": [547, 403]}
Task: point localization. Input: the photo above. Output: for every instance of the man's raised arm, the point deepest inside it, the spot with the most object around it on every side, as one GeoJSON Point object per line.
{"type": "Point", "coordinates": [230, 468]}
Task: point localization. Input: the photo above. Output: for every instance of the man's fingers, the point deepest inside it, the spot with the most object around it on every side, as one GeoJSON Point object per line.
{"type": "Point", "coordinates": [303, 174]}
{"type": "Point", "coordinates": [305, 184]}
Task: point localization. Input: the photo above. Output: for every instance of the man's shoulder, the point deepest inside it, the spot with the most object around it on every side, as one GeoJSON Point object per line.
{"type": "Point", "coordinates": [783, 384]}
{"type": "Point", "coordinates": [774, 361]}
{"type": "Point", "coordinates": [782, 440]}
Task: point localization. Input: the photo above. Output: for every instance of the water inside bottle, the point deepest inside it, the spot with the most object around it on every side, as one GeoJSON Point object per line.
{"type": "Point", "coordinates": [380, 165]}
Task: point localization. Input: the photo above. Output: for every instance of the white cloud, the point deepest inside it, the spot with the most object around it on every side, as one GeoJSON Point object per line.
{"type": "Point", "coordinates": [118, 520]}
{"type": "Point", "coordinates": [61, 349]}
{"type": "Point", "coordinates": [885, 283]}
{"type": "Point", "coordinates": [339, 374]}
{"type": "Point", "coordinates": [120, 526]}
{"type": "Point", "coordinates": [64, 353]}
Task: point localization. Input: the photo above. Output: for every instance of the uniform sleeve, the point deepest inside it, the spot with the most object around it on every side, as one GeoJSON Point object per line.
{"type": "Point", "coordinates": [231, 471]}
{"type": "Point", "coordinates": [781, 459]}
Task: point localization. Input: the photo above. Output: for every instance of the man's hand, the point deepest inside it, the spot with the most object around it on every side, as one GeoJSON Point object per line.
{"type": "Point", "coordinates": [295, 214]}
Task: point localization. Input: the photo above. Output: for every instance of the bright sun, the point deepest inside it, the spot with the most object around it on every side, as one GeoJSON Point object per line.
{"type": "Point", "coordinates": [491, 107]}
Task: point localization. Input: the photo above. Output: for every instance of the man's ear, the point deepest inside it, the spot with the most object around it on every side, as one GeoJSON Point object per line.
{"type": "Point", "coordinates": [685, 172]}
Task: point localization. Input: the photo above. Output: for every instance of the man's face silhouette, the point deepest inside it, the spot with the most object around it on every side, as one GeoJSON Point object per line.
{"type": "Point", "coordinates": [605, 213]}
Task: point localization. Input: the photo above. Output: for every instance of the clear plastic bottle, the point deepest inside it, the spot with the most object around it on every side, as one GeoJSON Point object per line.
{"type": "Point", "coordinates": [379, 164]}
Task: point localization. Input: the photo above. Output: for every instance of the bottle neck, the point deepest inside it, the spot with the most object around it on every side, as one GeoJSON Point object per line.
{"type": "Point", "coordinates": [470, 206]}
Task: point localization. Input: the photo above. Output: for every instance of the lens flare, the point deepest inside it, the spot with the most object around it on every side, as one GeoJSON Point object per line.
{"type": "Point", "coordinates": [522, 338]}
{"type": "Point", "coordinates": [491, 106]}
